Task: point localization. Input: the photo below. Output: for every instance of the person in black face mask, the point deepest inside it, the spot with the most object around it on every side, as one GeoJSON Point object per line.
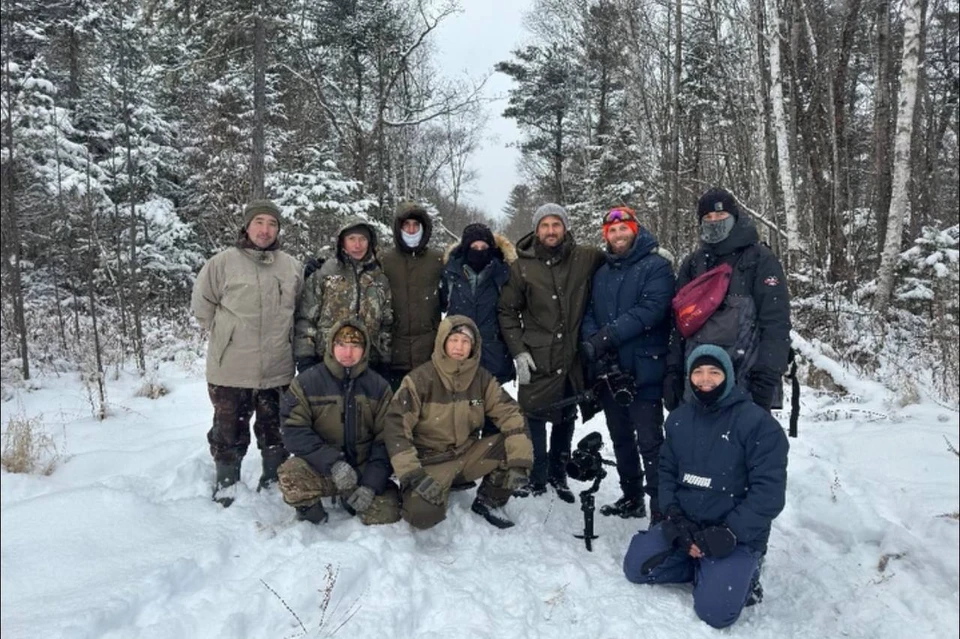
{"type": "Point", "coordinates": [723, 480]}
{"type": "Point", "coordinates": [753, 321]}
{"type": "Point", "coordinates": [475, 270]}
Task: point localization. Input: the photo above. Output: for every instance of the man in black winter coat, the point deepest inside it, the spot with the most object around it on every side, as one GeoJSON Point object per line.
{"type": "Point", "coordinates": [723, 480]}
{"type": "Point", "coordinates": [753, 322]}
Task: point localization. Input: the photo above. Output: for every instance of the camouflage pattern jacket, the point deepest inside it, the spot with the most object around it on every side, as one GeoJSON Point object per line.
{"type": "Point", "coordinates": [439, 411]}
{"type": "Point", "coordinates": [330, 413]}
{"type": "Point", "coordinates": [346, 288]}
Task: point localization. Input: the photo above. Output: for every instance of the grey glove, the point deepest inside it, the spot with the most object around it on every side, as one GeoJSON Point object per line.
{"type": "Point", "coordinates": [525, 366]}
{"type": "Point", "coordinates": [361, 499]}
{"type": "Point", "coordinates": [344, 476]}
{"type": "Point", "coordinates": [430, 490]}
{"type": "Point", "coordinates": [516, 478]}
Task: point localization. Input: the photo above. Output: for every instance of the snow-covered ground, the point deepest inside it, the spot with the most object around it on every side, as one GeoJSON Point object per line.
{"type": "Point", "coordinates": [123, 541]}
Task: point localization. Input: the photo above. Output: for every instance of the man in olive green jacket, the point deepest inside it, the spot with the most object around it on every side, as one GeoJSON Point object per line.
{"type": "Point", "coordinates": [333, 419]}
{"type": "Point", "coordinates": [245, 296]}
{"type": "Point", "coordinates": [413, 269]}
{"type": "Point", "coordinates": [540, 311]}
{"type": "Point", "coordinates": [353, 285]}
{"type": "Point", "coordinates": [433, 431]}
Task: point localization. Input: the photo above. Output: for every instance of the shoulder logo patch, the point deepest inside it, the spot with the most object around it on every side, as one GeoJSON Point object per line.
{"type": "Point", "coordinates": [771, 280]}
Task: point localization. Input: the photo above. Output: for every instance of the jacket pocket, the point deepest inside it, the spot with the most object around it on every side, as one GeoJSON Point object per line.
{"type": "Point", "coordinates": [721, 328]}
{"type": "Point", "coordinates": [220, 337]}
{"type": "Point", "coordinates": [650, 370]}
{"type": "Point", "coordinates": [539, 345]}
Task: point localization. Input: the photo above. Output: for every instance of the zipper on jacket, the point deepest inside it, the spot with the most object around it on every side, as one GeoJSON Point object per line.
{"type": "Point", "coordinates": [349, 421]}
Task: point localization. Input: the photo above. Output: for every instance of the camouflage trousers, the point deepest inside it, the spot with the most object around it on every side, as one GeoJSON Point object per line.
{"type": "Point", "coordinates": [302, 486]}
{"type": "Point", "coordinates": [229, 437]}
{"type": "Point", "coordinates": [486, 458]}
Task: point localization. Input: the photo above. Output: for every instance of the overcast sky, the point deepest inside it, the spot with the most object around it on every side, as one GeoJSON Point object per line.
{"type": "Point", "coordinates": [470, 43]}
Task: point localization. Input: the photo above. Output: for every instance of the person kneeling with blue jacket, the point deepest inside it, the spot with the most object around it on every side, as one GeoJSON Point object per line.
{"type": "Point", "coordinates": [723, 480]}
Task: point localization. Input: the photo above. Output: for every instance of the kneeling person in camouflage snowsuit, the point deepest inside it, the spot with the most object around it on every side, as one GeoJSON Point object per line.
{"type": "Point", "coordinates": [333, 418]}
{"type": "Point", "coordinates": [433, 431]}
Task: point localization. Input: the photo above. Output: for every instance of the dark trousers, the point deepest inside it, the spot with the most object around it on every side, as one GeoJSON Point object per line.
{"type": "Point", "coordinates": [720, 586]}
{"type": "Point", "coordinates": [553, 464]}
{"type": "Point", "coordinates": [636, 431]}
{"type": "Point", "coordinates": [229, 437]}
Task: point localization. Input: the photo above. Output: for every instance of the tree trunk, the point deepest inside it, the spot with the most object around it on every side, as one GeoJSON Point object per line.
{"type": "Point", "coordinates": [674, 209]}
{"type": "Point", "coordinates": [257, 178]}
{"type": "Point", "coordinates": [882, 120]}
{"type": "Point", "coordinates": [913, 19]}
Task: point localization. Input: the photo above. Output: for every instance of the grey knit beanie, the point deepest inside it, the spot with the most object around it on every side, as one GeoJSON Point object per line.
{"type": "Point", "coordinates": [551, 209]}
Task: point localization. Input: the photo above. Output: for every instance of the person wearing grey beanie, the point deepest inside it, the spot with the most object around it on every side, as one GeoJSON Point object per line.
{"type": "Point", "coordinates": [549, 209]}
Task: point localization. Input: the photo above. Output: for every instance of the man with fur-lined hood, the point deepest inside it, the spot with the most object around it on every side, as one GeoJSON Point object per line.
{"type": "Point", "coordinates": [433, 432]}
{"type": "Point", "coordinates": [245, 296]}
{"type": "Point", "coordinates": [333, 419]}
{"type": "Point", "coordinates": [353, 285]}
{"type": "Point", "coordinates": [476, 268]}
{"type": "Point", "coordinates": [413, 269]}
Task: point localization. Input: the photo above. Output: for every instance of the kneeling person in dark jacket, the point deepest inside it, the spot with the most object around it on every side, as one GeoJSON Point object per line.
{"type": "Point", "coordinates": [723, 479]}
{"type": "Point", "coordinates": [333, 417]}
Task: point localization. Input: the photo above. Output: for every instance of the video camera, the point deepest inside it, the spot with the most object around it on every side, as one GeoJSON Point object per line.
{"type": "Point", "coordinates": [622, 386]}
{"type": "Point", "coordinates": [586, 464]}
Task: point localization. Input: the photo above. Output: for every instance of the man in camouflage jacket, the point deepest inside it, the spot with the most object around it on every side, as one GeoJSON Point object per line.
{"type": "Point", "coordinates": [433, 431]}
{"type": "Point", "coordinates": [353, 285]}
{"type": "Point", "coordinates": [333, 419]}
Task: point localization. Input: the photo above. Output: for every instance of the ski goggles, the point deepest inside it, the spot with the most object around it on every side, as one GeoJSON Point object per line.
{"type": "Point", "coordinates": [620, 214]}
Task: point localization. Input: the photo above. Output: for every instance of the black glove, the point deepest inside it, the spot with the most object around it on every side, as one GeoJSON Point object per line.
{"type": "Point", "coordinates": [672, 389]}
{"type": "Point", "coordinates": [306, 362]}
{"type": "Point", "coordinates": [677, 529]}
{"type": "Point", "coordinates": [715, 541]}
{"type": "Point", "coordinates": [763, 387]}
{"type": "Point", "coordinates": [597, 344]}
{"type": "Point", "coordinates": [311, 265]}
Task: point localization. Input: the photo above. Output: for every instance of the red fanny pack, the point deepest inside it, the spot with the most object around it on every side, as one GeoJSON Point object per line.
{"type": "Point", "coordinates": [699, 298]}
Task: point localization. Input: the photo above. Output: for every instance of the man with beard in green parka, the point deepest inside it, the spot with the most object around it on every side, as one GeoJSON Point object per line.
{"type": "Point", "coordinates": [413, 269]}
{"type": "Point", "coordinates": [541, 308]}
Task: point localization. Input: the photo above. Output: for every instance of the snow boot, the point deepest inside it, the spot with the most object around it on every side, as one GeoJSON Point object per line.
{"type": "Point", "coordinates": [559, 484]}
{"type": "Point", "coordinates": [272, 458]}
{"type": "Point", "coordinates": [625, 507]}
{"type": "Point", "coordinates": [755, 595]}
{"type": "Point", "coordinates": [315, 514]}
{"type": "Point", "coordinates": [228, 474]}
{"type": "Point", "coordinates": [493, 514]}
{"type": "Point", "coordinates": [530, 490]}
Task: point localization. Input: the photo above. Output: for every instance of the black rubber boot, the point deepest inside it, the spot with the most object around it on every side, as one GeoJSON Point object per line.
{"type": "Point", "coordinates": [559, 484]}
{"type": "Point", "coordinates": [315, 514]}
{"type": "Point", "coordinates": [492, 513]}
{"type": "Point", "coordinates": [272, 458]}
{"type": "Point", "coordinates": [530, 490]}
{"type": "Point", "coordinates": [228, 474]}
{"type": "Point", "coordinates": [625, 507]}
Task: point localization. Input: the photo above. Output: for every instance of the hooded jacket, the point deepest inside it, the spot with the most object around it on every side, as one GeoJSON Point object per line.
{"type": "Point", "coordinates": [331, 413]}
{"type": "Point", "coordinates": [246, 298]}
{"type": "Point", "coordinates": [346, 288]}
{"type": "Point", "coordinates": [725, 463]}
{"type": "Point", "coordinates": [414, 275]}
{"type": "Point", "coordinates": [631, 296]}
{"type": "Point", "coordinates": [540, 311]}
{"type": "Point", "coordinates": [476, 295]}
{"type": "Point", "coordinates": [753, 322]}
{"type": "Point", "coordinates": [439, 410]}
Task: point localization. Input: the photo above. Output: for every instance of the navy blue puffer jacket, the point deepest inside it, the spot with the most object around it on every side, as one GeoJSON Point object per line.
{"type": "Point", "coordinates": [476, 296]}
{"type": "Point", "coordinates": [725, 463]}
{"type": "Point", "coordinates": [631, 296]}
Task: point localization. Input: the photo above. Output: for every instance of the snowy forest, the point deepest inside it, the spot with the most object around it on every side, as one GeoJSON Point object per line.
{"type": "Point", "coordinates": [134, 132]}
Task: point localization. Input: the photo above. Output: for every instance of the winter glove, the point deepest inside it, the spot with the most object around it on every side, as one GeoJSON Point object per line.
{"type": "Point", "coordinates": [361, 499]}
{"type": "Point", "coordinates": [715, 541]}
{"type": "Point", "coordinates": [311, 265]}
{"type": "Point", "coordinates": [305, 363]}
{"type": "Point", "coordinates": [344, 476]}
{"type": "Point", "coordinates": [677, 529]}
{"type": "Point", "coordinates": [672, 389]}
{"type": "Point", "coordinates": [429, 489]}
{"type": "Point", "coordinates": [516, 479]}
{"type": "Point", "coordinates": [525, 365]}
{"type": "Point", "coordinates": [599, 344]}
{"type": "Point", "coordinates": [763, 386]}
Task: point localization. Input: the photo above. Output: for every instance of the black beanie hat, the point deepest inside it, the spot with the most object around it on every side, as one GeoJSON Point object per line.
{"type": "Point", "coordinates": [709, 360]}
{"type": "Point", "coordinates": [717, 199]}
{"type": "Point", "coordinates": [474, 232]}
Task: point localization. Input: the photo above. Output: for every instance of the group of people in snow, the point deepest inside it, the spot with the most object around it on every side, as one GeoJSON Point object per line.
{"type": "Point", "coordinates": [393, 408]}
